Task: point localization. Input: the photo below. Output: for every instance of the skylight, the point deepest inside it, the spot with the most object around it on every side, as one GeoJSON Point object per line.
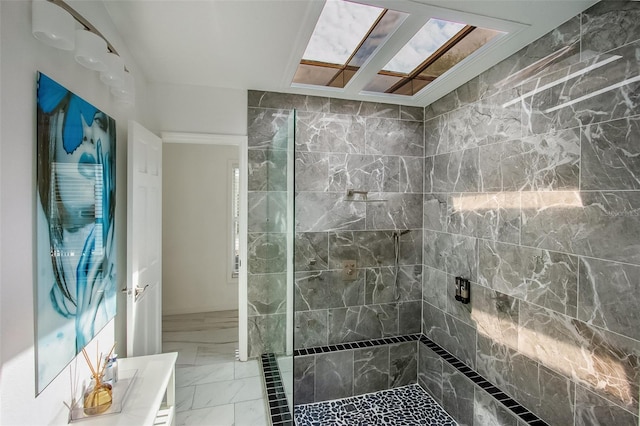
{"type": "Point", "coordinates": [340, 29]}
{"type": "Point", "coordinates": [430, 38]}
{"type": "Point", "coordinates": [347, 35]}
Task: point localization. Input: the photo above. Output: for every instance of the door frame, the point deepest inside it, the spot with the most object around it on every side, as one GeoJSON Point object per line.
{"type": "Point", "coordinates": [241, 142]}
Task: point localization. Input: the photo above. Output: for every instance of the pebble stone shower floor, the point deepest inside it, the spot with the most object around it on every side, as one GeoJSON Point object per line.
{"type": "Point", "coordinates": [407, 405]}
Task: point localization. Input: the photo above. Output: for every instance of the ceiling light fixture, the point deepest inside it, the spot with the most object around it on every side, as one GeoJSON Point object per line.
{"type": "Point", "coordinates": [54, 23]}
{"type": "Point", "coordinates": [113, 75]}
{"type": "Point", "coordinates": [91, 50]}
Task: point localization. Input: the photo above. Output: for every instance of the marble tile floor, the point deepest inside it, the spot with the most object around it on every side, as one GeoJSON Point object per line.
{"type": "Point", "coordinates": [213, 388]}
{"type": "Point", "coordinates": [408, 405]}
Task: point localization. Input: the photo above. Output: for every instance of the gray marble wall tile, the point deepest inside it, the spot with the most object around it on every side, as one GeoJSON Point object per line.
{"type": "Point", "coordinates": [430, 371]}
{"type": "Point", "coordinates": [411, 113]}
{"type": "Point", "coordinates": [381, 284]}
{"type": "Point", "coordinates": [267, 211]}
{"type": "Point", "coordinates": [450, 333]}
{"type": "Point", "coordinates": [394, 137]}
{"type": "Point", "coordinates": [403, 364]}
{"type": "Point", "coordinates": [266, 294]}
{"type": "Point", "coordinates": [325, 211]}
{"type": "Point", "coordinates": [373, 173]}
{"type": "Point", "coordinates": [268, 128]}
{"type": "Point", "coordinates": [434, 287]}
{"type": "Point", "coordinates": [370, 370]}
{"type": "Point", "coordinates": [411, 174]}
{"type": "Point", "coordinates": [362, 323]}
{"type": "Point", "coordinates": [594, 410]}
{"type": "Point", "coordinates": [605, 225]}
{"type": "Point", "coordinates": [429, 177]}
{"type": "Point", "coordinates": [334, 375]}
{"type": "Point", "coordinates": [310, 329]}
{"type": "Point", "coordinates": [543, 277]}
{"type": "Point", "coordinates": [311, 171]}
{"type": "Point", "coordinates": [610, 295]}
{"type": "Point", "coordinates": [610, 155]}
{"type": "Point", "coordinates": [496, 315]}
{"type": "Point", "coordinates": [453, 172]}
{"type": "Point", "coordinates": [488, 412]}
{"type": "Point", "coordinates": [545, 392]}
{"type": "Point", "coordinates": [484, 122]}
{"type": "Point", "coordinates": [399, 211]}
{"type": "Point", "coordinates": [266, 253]}
{"type": "Point", "coordinates": [304, 380]}
{"type": "Point", "coordinates": [435, 212]}
{"type": "Point", "coordinates": [457, 395]}
{"type": "Point", "coordinates": [494, 216]}
{"type": "Point", "coordinates": [435, 135]}
{"type": "Point", "coordinates": [463, 95]}
{"type": "Point", "coordinates": [608, 364]}
{"type": "Point", "coordinates": [409, 317]}
{"type": "Point", "coordinates": [267, 170]}
{"type": "Point", "coordinates": [327, 289]}
{"type": "Point", "coordinates": [265, 334]}
{"type": "Point", "coordinates": [311, 251]}
{"type": "Point", "coordinates": [367, 248]}
{"type": "Point", "coordinates": [495, 362]}
{"type": "Point", "coordinates": [321, 132]}
{"type": "Point", "coordinates": [513, 70]}
{"type": "Point", "coordinates": [610, 24]}
{"type": "Point", "coordinates": [454, 254]}
{"type": "Point", "coordinates": [548, 394]}
{"type": "Point", "coordinates": [596, 100]}
{"type": "Point", "coordinates": [287, 101]}
{"type": "Point", "coordinates": [364, 109]}
{"type": "Point", "coordinates": [536, 163]}
{"type": "Point", "coordinates": [373, 248]}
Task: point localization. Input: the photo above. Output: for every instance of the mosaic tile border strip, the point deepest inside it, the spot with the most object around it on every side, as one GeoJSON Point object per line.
{"type": "Point", "coordinates": [278, 407]}
{"type": "Point", "coordinates": [504, 399]}
{"type": "Point", "coordinates": [357, 345]}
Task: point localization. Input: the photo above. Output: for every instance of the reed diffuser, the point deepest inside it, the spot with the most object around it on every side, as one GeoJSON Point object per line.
{"type": "Point", "coordinates": [98, 396]}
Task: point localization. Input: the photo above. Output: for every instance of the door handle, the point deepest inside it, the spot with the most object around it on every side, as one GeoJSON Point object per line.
{"type": "Point", "coordinates": [140, 290]}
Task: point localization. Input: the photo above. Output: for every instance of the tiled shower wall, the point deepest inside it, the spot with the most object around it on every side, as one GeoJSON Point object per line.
{"type": "Point", "coordinates": [341, 145]}
{"type": "Point", "coordinates": [536, 199]}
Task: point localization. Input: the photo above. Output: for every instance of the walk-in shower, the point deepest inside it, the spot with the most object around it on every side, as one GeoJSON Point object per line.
{"type": "Point", "coordinates": [523, 187]}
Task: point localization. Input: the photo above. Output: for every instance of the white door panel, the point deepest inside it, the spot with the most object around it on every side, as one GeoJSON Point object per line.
{"type": "Point", "coordinates": [144, 239]}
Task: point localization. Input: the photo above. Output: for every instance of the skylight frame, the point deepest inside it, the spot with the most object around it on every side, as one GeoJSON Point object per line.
{"type": "Point", "coordinates": [418, 14]}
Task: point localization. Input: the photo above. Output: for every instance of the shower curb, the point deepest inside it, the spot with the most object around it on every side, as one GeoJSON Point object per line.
{"type": "Point", "coordinates": [279, 412]}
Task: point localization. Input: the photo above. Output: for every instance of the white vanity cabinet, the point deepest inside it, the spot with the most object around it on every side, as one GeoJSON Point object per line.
{"type": "Point", "coordinates": [145, 403]}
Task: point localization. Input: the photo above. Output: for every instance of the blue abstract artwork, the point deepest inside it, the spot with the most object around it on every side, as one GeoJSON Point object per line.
{"type": "Point", "coordinates": [76, 258]}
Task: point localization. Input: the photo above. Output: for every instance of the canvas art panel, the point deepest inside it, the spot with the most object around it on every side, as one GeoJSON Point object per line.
{"type": "Point", "coordinates": [76, 259]}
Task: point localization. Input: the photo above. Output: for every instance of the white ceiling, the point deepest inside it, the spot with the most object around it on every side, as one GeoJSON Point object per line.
{"type": "Point", "coordinates": [257, 44]}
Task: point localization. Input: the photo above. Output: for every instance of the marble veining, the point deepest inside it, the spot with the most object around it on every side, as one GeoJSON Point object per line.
{"type": "Point", "coordinates": [320, 132]}
{"type": "Point", "coordinates": [364, 173]}
{"type": "Point", "coordinates": [543, 277]}
{"type": "Point", "coordinates": [610, 155]}
{"type": "Point", "coordinates": [394, 137]}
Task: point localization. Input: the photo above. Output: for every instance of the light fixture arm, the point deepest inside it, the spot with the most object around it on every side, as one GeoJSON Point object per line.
{"type": "Point", "coordinates": [85, 23]}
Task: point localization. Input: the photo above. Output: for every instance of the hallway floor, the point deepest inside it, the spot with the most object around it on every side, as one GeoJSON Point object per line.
{"type": "Point", "coordinates": [212, 387]}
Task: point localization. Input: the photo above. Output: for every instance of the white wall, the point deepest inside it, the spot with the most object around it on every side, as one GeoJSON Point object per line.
{"type": "Point", "coordinates": [21, 56]}
{"type": "Point", "coordinates": [196, 218]}
{"type": "Point", "coordinates": [196, 109]}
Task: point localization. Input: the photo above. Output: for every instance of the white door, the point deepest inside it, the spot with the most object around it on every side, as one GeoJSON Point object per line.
{"type": "Point", "coordinates": [144, 242]}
